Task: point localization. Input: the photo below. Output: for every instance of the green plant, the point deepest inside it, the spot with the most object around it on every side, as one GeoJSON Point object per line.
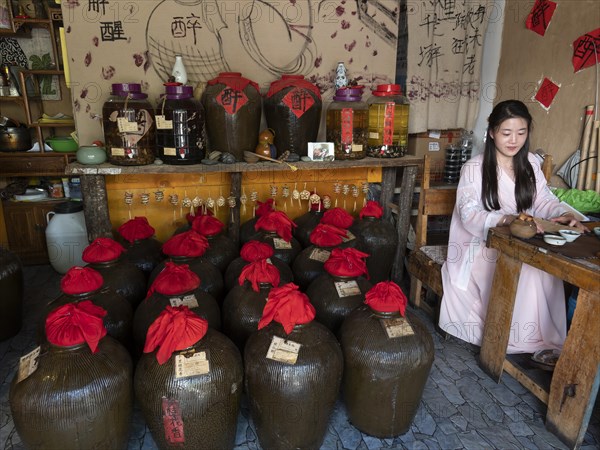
{"type": "Point", "coordinates": [43, 63]}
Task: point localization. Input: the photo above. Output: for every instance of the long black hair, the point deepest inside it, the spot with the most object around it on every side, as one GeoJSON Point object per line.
{"type": "Point", "coordinates": [524, 176]}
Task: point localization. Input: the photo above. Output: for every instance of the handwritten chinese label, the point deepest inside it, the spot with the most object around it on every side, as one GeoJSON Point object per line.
{"type": "Point", "coordinates": [281, 244]}
{"type": "Point", "coordinates": [172, 421]}
{"type": "Point", "coordinates": [586, 50]}
{"type": "Point", "coordinates": [540, 16]}
{"type": "Point", "coordinates": [188, 300]}
{"type": "Point", "coordinates": [181, 25]}
{"type": "Point", "coordinates": [347, 127]}
{"type": "Point", "coordinates": [546, 93]}
{"type": "Point", "coordinates": [299, 101]}
{"type": "Point", "coordinates": [231, 99]}
{"type": "Point", "coordinates": [397, 327]}
{"type": "Point", "coordinates": [28, 364]}
{"type": "Point", "coordinates": [283, 350]}
{"type": "Point", "coordinates": [319, 254]}
{"type": "Point", "coordinates": [347, 288]}
{"type": "Point", "coordinates": [191, 365]}
{"type": "Point", "coordinates": [388, 123]}
{"type": "Point", "coordinates": [112, 31]}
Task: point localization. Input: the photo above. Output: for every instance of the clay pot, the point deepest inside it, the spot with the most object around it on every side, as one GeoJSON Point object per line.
{"type": "Point", "coordinates": [234, 270]}
{"type": "Point", "coordinates": [308, 265]}
{"type": "Point", "coordinates": [290, 404]}
{"type": "Point", "coordinates": [221, 251]}
{"type": "Point", "coordinates": [285, 251]}
{"type": "Point", "coordinates": [304, 226]}
{"type": "Point", "coordinates": [247, 231]}
{"type": "Point", "coordinates": [384, 377]}
{"type": "Point", "coordinates": [76, 398]}
{"type": "Point", "coordinates": [204, 408]}
{"type": "Point", "coordinates": [379, 239]}
{"type": "Point", "coordinates": [123, 277]}
{"type": "Point", "coordinates": [145, 254]}
{"type": "Point", "coordinates": [11, 286]}
{"type": "Point", "coordinates": [524, 229]}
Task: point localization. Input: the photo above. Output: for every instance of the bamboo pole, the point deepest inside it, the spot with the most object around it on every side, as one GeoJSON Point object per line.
{"type": "Point", "coordinates": [585, 142]}
{"type": "Point", "coordinates": [593, 157]}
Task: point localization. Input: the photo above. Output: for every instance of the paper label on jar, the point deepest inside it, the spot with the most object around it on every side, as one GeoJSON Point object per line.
{"type": "Point", "coordinates": [283, 350]}
{"type": "Point", "coordinates": [281, 244]}
{"type": "Point", "coordinates": [349, 236]}
{"type": "Point", "coordinates": [170, 151]}
{"type": "Point", "coordinates": [125, 126]}
{"type": "Point", "coordinates": [191, 365]}
{"type": "Point", "coordinates": [173, 421]}
{"type": "Point", "coordinates": [319, 254]}
{"type": "Point", "coordinates": [397, 327]}
{"type": "Point", "coordinates": [347, 122]}
{"type": "Point", "coordinates": [187, 300]}
{"type": "Point", "coordinates": [116, 151]}
{"type": "Point", "coordinates": [299, 101]}
{"type": "Point", "coordinates": [373, 135]}
{"type": "Point", "coordinates": [347, 288]}
{"type": "Point", "coordinates": [357, 148]}
{"type": "Point", "coordinates": [163, 124]}
{"type": "Point", "coordinates": [28, 364]}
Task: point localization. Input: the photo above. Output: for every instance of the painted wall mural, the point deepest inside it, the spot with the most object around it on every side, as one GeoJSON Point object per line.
{"type": "Point", "coordinates": [113, 41]}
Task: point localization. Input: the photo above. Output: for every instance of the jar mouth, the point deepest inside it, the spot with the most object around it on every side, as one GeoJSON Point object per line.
{"type": "Point", "coordinates": [384, 314]}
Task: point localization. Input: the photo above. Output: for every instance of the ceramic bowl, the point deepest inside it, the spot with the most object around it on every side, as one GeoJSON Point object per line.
{"type": "Point", "coordinates": [569, 235]}
{"type": "Point", "coordinates": [553, 239]}
{"type": "Point", "coordinates": [597, 231]}
{"type": "Point", "coordinates": [62, 144]}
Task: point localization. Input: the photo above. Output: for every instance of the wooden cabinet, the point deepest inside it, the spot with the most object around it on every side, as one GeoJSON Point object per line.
{"type": "Point", "coordinates": [26, 229]}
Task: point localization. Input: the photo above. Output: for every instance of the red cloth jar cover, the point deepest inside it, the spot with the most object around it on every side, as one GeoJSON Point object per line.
{"type": "Point", "coordinates": [325, 235]}
{"type": "Point", "coordinates": [295, 81]}
{"type": "Point", "coordinates": [76, 323]}
{"type": "Point", "coordinates": [102, 250]}
{"type": "Point", "coordinates": [207, 225]}
{"type": "Point", "coordinates": [386, 296]}
{"type": "Point", "coordinates": [176, 328]}
{"type": "Point", "coordinates": [347, 262]}
{"type": "Point", "coordinates": [136, 229]}
{"type": "Point", "coordinates": [371, 209]}
{"type": "Point", "coordinates": [81, 280]}
{"type": "Point", "coordinates": [174, 279]}
{"type": "Point", "coordinates": [190, 244]}
{"type": "Point", "coordinates": [233, 80]}
{"type": "Point", "coordinates": [264, 208]}
{"type": "Point", "coordinates": [288, 306]}
{"type": "Point", "coordinates": [338, 217]}
{"type": "Point", "coordinates": [259, 272]}
{"type": "Point", "coordinates": [255, 250]}
{"type": "Point", "coordinates": [200, 212]}
{"type": "Point", "coordinates": [277, 221]}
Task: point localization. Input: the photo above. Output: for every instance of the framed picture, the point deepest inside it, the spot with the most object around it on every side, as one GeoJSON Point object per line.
{"type": "Point", "coordinates": [7, 24]}
{"type": "Point", "coordinates": [321, 151]}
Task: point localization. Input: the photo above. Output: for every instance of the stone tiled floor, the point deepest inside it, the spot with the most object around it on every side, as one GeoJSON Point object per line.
{"type": "Point", "coordinates": [461, 406]}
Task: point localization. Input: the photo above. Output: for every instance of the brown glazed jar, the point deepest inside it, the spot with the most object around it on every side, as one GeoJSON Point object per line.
{"type": "Point", "coordinates": [293, 110]}
{"type": "Point", "coordinates": [76, 398]}
{"type": "Point", "coordinates": [290, 404]}
{"type": "Point", "coordinates": [308, 265]}
{"type": "Point", "coordinates": [234, 270]}
{"type": "Point", "coordinates": [221, 251]}
{"type": "Point", "coordinates": [233, 109]}
{"type": "Point", "coordinates": [123, 277]}
{"type": "Point", "coordinates": [145, 254]}
{"type": "Point", "coordinates": [335, 297]}
{"type": "Point", "coordinates": [285, 251]}
{"type": "Point", "coordinates": [203, 408]}
{"type": "Point", "coordinates": [11, 286]}
{"type": "Point", "coordinates": [379, 239]}
{"type": "Point", "coordinates": [305, 224]}
{"type": "Point", "coordinates": [384, 377]}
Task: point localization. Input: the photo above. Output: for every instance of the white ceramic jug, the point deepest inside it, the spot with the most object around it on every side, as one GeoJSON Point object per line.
{"type": "Point", "coordinates": [66, 236]}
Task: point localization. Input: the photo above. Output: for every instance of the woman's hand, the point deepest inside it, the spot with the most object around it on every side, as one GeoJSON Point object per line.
{"type": "Point", "coordinates": [570, 220]}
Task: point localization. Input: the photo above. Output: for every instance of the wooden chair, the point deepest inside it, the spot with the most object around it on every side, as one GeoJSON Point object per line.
{"type": "Point", "coordinates": [425, 261]}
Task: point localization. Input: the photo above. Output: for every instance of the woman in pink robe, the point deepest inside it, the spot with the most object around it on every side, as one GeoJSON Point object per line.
{"type": "Point", "coordinates": [494, 188]}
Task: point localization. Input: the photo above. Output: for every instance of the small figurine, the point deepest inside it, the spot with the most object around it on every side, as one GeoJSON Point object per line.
{"type": "Point", "coordinates": [341, 80]}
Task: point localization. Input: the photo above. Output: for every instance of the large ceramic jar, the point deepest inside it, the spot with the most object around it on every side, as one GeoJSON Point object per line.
{"type": "Point", "coordinates": [388, 122]}
{"type": "Point", "coordinates": [338, 292]}
{"type": "Point", "coordinates": [180, 134]}
{"type": "Point", "coordinates": [123, 277]}
{"type": "Point", "coordinates": [387, 358]}
{"type": "Point", "coordinates": [82, 382]}
{"type": "Point", "coordinates": [189, 384]}
{"type": "Point", "coordinates": [293, 110]}
{"type": "Point", "coordinates": [275, 229]}
{"type": "Point", "coordinates": [293, 367]}
{"type": "Point", "coordinates": [221, 248]}
{"type": "Point", "coordinates": [305, 224]}
{"type": "Point", "coordinates": [11, 286]}
{"type": "Point", "coordinates": [347, 124]}
{"type": "Point", "coordinates": [129, 128]}
{"type": "Point", "coordinates": [176, 285]}
{"type": "Point", "coordinates": [141, 248]}
{"type": "Point", "coordinates": [244, 304]}
{"type": "Point", "coordinates": [247, 229]}
{"type": "Point", "coordinates": [233, 110]}
{"type": "Point", "coordinates": [378, 238]}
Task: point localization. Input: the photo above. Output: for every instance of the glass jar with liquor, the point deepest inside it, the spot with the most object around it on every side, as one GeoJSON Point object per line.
{"type": "Point", "coordinates": [129, 128]}
{"type": "Point", "coordinates": [388, 122]}
{"type": "Point", "coordinates": [180, 134]}
{"type": "Point", "coordinates": [347, 123]}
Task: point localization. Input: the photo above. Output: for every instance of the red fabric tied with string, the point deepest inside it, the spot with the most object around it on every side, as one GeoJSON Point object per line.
{"type": "Point", "coordinates": [189, 244]}
{"type": "Point", "coordinates": [324, 235]}
{"type": "Point", "coordinates": [386, 296]}
{"type": "Point", "coordinates": [174, 279]}
{"type": "Point", "coordinates": [233, 80]}
{"type": "Point", "coordinates": [102, 250]}
{"type": "Point", "coordinates": [264, 208]}
{"type": "Point", "coordinates": [201, 212]}
{"type": "Point", "coordinates": [136, 229]}
{"type": "Point", "coordinates": [288, 306]}
{"type": "Point", "coordinates": [371, 209]}
{"type": "Point", "coordinates": [276, 221]}
{"type": "Point", "coordinates": [259, 272]}
{"type": "Point", "coordinates": [176, 328]}
{"type": "Point", "coordinates": [76, 323]}
{"type": "Point", "coordinates": [207, 225]}
{"type": "Point", "coordinates": [81, 280]}
{"type": "Point", "coordinates": [338, 217]}
{"type": "Point", "coordinates": [347, 262]}
{"type": "Point", "coordinates": [255, 250]}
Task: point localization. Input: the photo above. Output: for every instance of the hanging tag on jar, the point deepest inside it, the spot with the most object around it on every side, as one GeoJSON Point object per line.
{"type": "Point", "coordinates": [318, 254]}
{"type": "Point", "coordinates": [191, 365]}
{"type": "Point", "coordinates": [117, 151]}
{"type": "Point", "coordinates": [170, 151]}
{"type": "Point", "coordinates": [397, 327]}
{"type": "Point", "coordinates": [357, 148]}
{"type": "Point", "coordinates": [188, 300]}
{"type": "Point", "coordinates": [163, 124]}
{"type": "Point", "coordinates": [281, 244]}
{"type": "Point", "coordinates": [172, 421]}
{"type": "Point", "coordinates": [283, 350]}
{"type": "Point", "coordinates": [125, 126]}
{"type": "Point", "coordinates": [349, 237]}
{"type": "Point", "coordinates": [28, 364]}
{"type": "Point", "coordinates": [347, 288]}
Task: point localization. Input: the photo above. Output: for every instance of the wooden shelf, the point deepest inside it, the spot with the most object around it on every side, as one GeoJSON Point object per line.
{"type": "Point", "coordinates": [70, 124]}
{"type": "Point", "coordinates": [12, 98]}
{"type": "Point", "coordinates": [45, 72]}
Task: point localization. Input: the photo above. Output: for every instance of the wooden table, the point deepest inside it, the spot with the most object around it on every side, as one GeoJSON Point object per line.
{"type": "Point", "coordinates": [576, 377]}
{"type": "Point", "coordinates": [93, 187]}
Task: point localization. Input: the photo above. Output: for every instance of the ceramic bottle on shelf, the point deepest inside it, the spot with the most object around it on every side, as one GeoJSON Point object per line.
{"type": "Point", "coordinates": [179, 73]}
